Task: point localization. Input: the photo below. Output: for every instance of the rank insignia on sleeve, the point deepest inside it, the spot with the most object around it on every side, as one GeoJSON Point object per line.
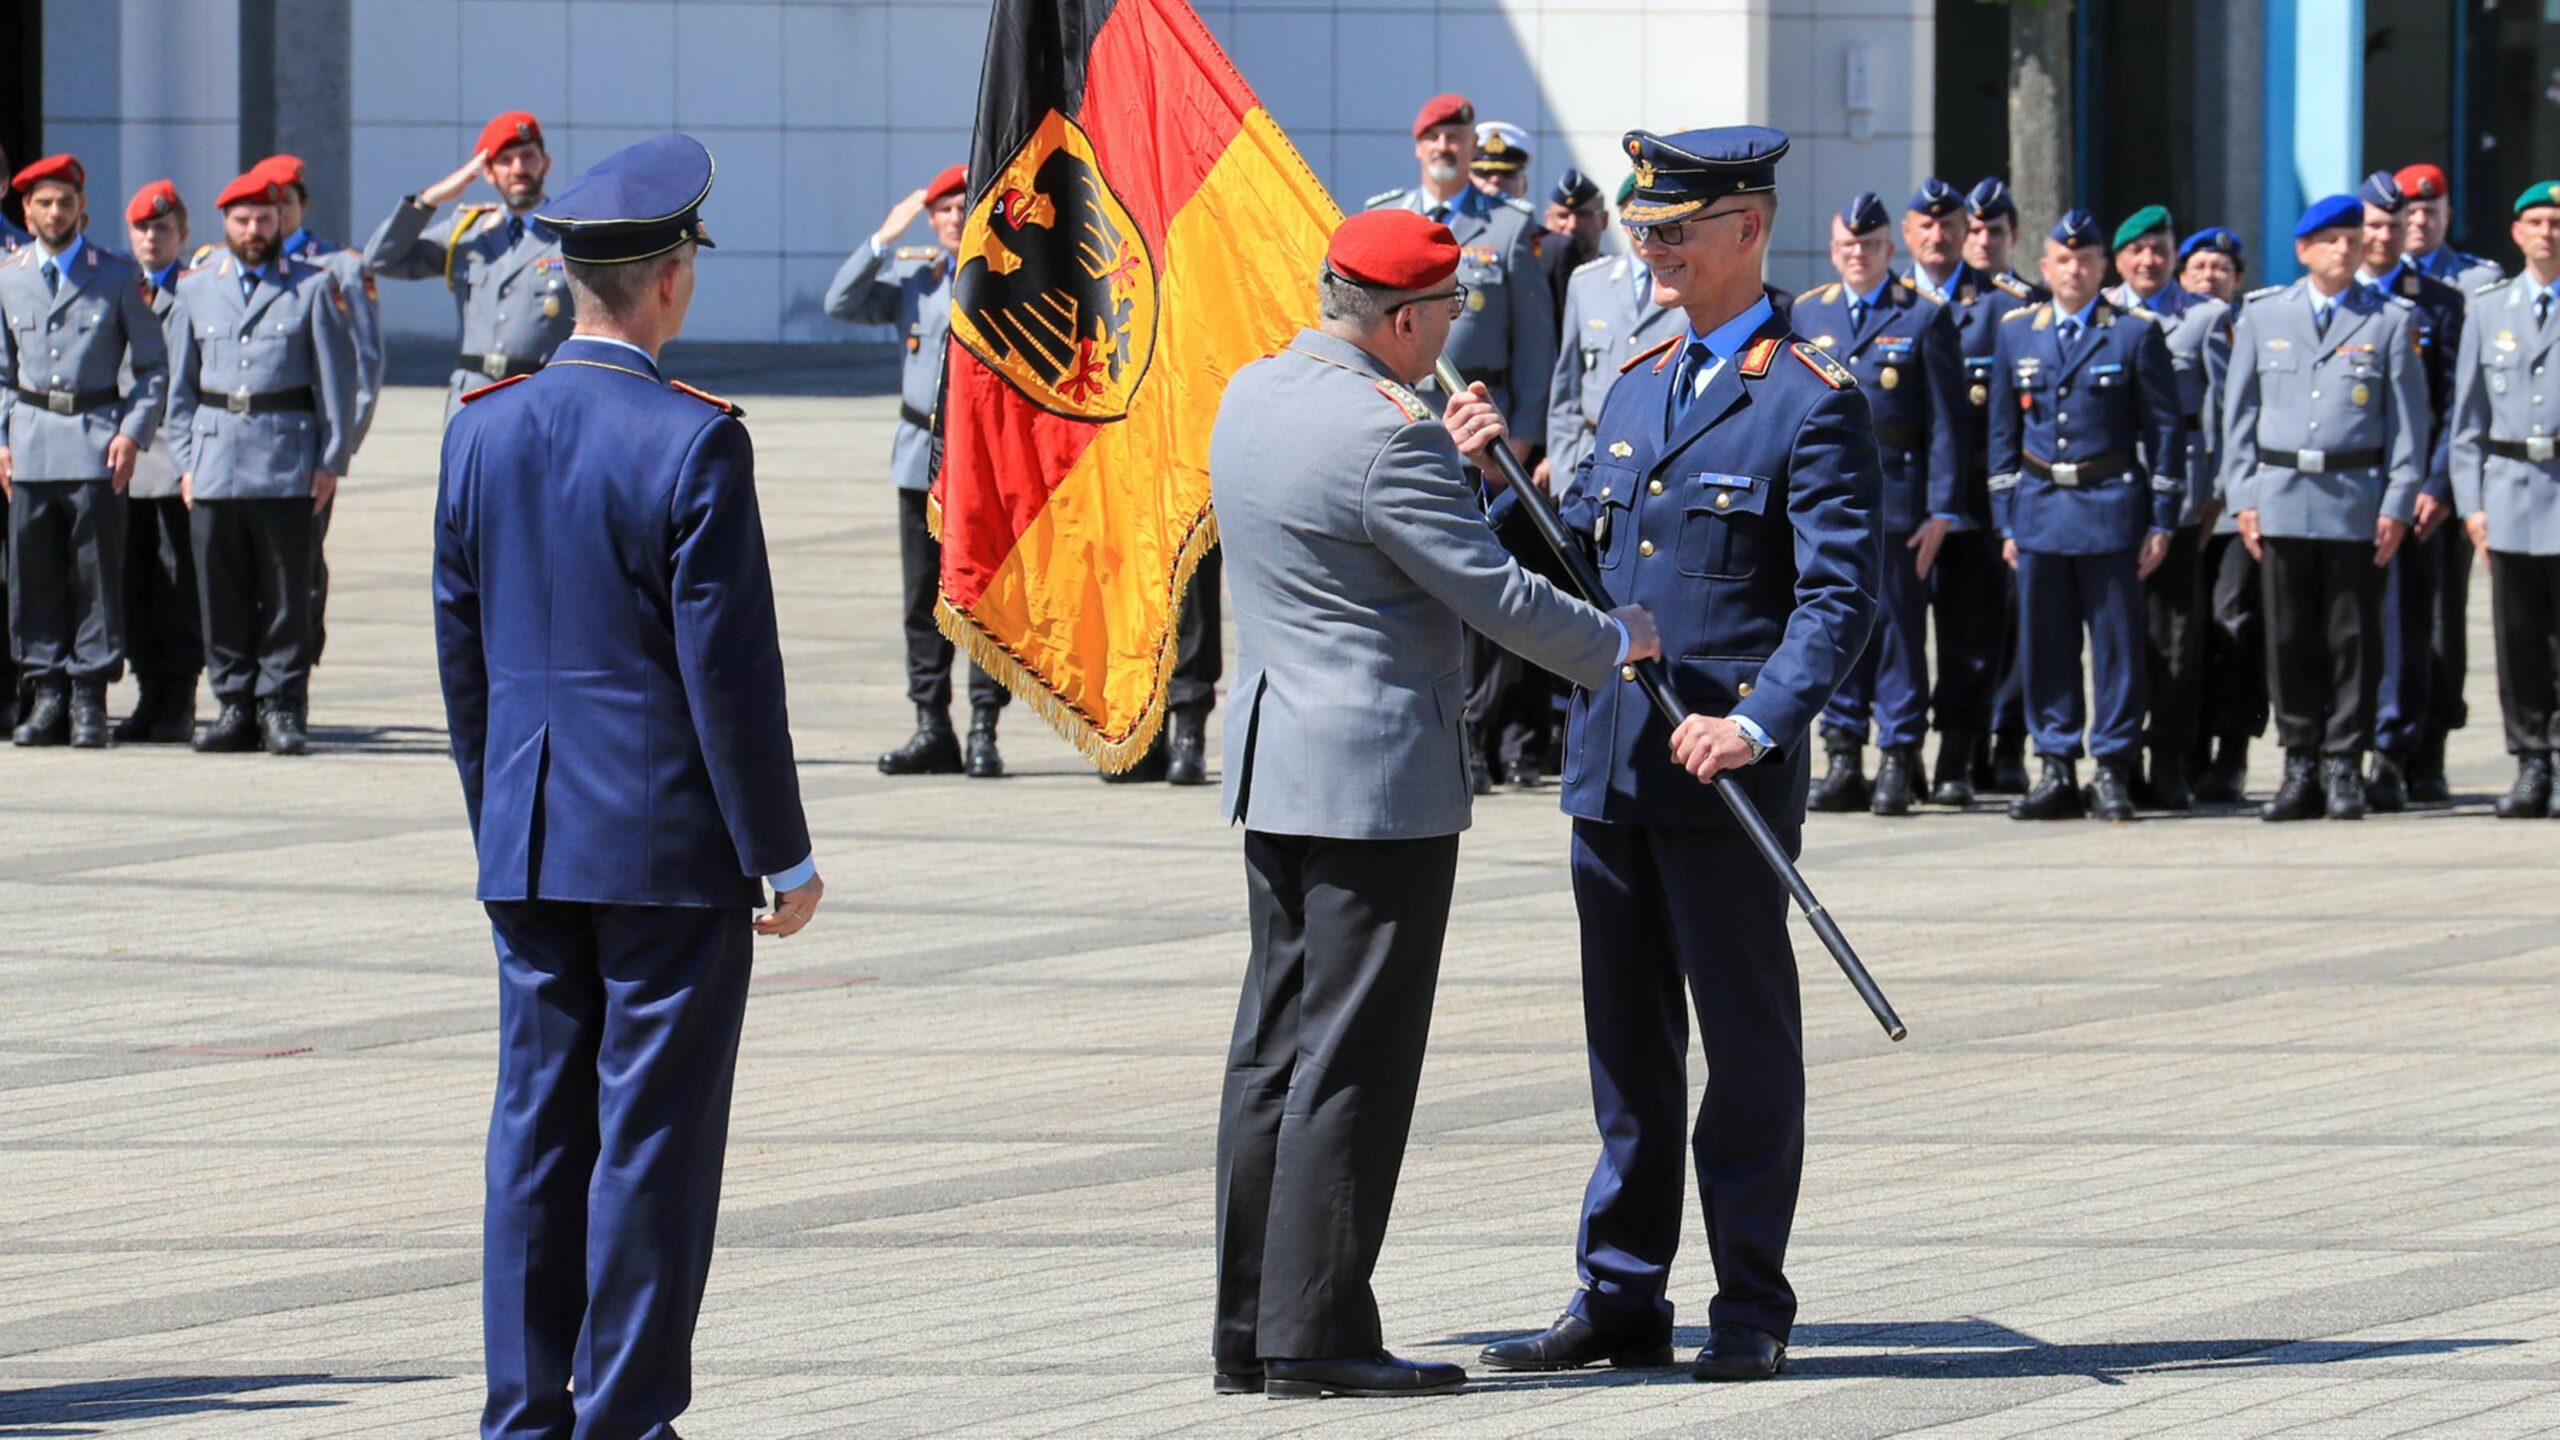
{"type": "Point", "coordinates": [1823, 365]}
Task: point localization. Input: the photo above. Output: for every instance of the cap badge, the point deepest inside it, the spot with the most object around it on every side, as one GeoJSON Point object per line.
{"type": "Point", "coordinates": [1644, 172]}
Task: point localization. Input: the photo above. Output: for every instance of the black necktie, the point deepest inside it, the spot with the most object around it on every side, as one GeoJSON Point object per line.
{"type": "Point", "coordinates": [2320, 319]}
{"type": "Point", "coordinates": [53, 279]}
{"type": "Point", "coordinates": [2070, 331]}
{"type": "Point", "coordinates": [1684, 381]}
{"type": "Point", "coordinates": [2542, 308]}
{"type": "Point", "coordinates": [515, 230]}
{"type": "Point", "coordinates": [248, 283]}
{"type": "Point", "coordinates": [1857, 315]}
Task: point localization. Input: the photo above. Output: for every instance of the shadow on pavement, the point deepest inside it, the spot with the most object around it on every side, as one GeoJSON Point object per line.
{"type": "Point", "coordinates": [80, 1408]}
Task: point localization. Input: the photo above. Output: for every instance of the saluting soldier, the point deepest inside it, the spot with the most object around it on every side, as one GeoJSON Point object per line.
{"type": "Point", "coordinates": [2197, 330]}
{"type": "Point", "coordinates": [164, 625]}
{"type": "Point", "coordinates": [11, 237]}
{"type": "Point", "coordinates": [2324, 438]}
{"type": "Point", "coordinates": [1734, 495]}
{"type": "Point", "coordinates": [73, 321]}
{"type": "Point", "coordinates": [1990, 239]}
{"type": "Point", "coordinates": [2088, 476]}
{"type": "Point", "coordinates": [2428, 226]}
{"type": "Point", "coordinates": [2506, 483]}
{"type": "Point", "coordinates": [262, 405]}
{"type": "Point", "coordinates": [1903, 348]}
{"type": "Point", "coordinates": [2234, 705]}
{"type": "Point", "coordinates": [500, 261]}
{"type": "Point", "coordinates": [909, 286]}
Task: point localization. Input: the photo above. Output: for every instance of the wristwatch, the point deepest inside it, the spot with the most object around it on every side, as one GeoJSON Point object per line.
{"type": "Point", "coordinates": [1758, 747]}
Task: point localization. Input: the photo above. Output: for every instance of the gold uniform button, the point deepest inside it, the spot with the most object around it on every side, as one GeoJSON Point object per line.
{"type": "Point", "coordinates": [1743, 690]}
{"type": "Point", "coordinates": [1626, 672]}
{"type": "Point", "coordinates": [1644, 547]}
{"type": "Point", "coordinates": [1655, 488]}
{"type": "Point", "coordinates": [1724, 499]}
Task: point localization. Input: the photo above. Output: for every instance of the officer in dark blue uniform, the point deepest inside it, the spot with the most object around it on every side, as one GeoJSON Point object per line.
{"type": "Point", "coordinates": [1990, 238]}
{"type": "Point", "coordinates": [613, 683]}
{"type": "Point", "coordinates": [2088, 473]}
{"type": "Point", "coordinates": [1905, 351]}
{"type": "Point", "coordinates": [1733, 489]}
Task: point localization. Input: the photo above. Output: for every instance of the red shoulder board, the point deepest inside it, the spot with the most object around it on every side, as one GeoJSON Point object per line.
{"type": "Point", "coordinates": [485, 391]}
{"type": "Point", "coordinates": [1831, 371]}
{"type": "Point", "coordinates": [706, 397]}
{"type": "Point", "coordinates": [1755, 361]}
{"type": "Point", "coordinates": [1649, 355]}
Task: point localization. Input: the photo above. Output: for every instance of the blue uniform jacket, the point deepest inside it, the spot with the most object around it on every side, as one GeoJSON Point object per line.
{"type": "Point", "coordinates": [1909, 362]}
{"type": "Point", "coordinates": [2112, 401]}
{"type": "Point", "coordinates": [1750, 531]}
{"type": "Point", "coordinates": [1981, 302]}
{"type": "Point", "coordinates": [605, 630]}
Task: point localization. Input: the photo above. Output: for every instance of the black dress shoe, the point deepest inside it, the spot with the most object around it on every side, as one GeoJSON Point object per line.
{"type": "Point", "coordinates": [1187, 760]}
{"type": "Point", "coordinates": [48, 718]}
{"type": "Point", "coordinates": [1843, 788]}
{"type": "Point", "coordinates": [2427, 785]}
{"type": "Point", "coordinates": [1237, 1380]}
{"type": "Point", "coordinates": [1571, 1343]}
{"type": "Point", "coordinates": [2008, 765]}
{"type": "Point", "coordinates": [1738, 1352]}
{"type": "Point", "coordinates": [2387, 789]}
{"type": "Point", "coordinates": [1150, 769]}
{"type": "Point", "coordinates": [1897, 778]}
{"type": "Point", "coordinates": [280, 727]}
{"type": "Point", "coordinates": [2528, 799]}
{"type": "Point", "coordinates": [2226, 780]}
{"type": "Point", "coordinates": [1952, 782]}
{"type": "Point", "coordinates": [1375, 1376]}
{"type": "Point", "coordinates": [2298, 798]}
{"type": "Point", "coordinates": [985, 761]}
{"type": "Point", "coordinates": [233, 732]}
{"type": "Point", "coordinates": [2111, 793]}
{"type": "Point", "coordinates": [89, 728]}
{"type": "Point", "coordinates": [2056, 797]}
{"type": "Point", "coordinates": [932, 750]}
{"type": "Point", "coordinates": [2169, 789]}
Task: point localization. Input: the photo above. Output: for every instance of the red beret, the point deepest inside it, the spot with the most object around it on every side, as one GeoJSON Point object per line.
{"type": "Point", "coordinates": [513, 128]}
{"type": "Point", "coordinates": [1394, 249]}
{"type": "Point", "coordinates": [2422, 182]}
{"type": "Point", "coordinates": [152, 201]}
{"type": "Point", "coordinates": [950, 181]}
{"type": "Point", "coordinates": [255, 188]}
{"type": "Point", "coordinates": [283, 169]}
{"type": "Point", "coordinates": [1443, 110]}
{"type": "Point", "coordinates": [52, 167]}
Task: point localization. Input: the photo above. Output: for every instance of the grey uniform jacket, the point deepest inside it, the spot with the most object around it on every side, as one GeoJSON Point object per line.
{"type": "Point", "coordinates": [1605, 325]}
{"type": "Point", "coordinates": [79, 337]}
{"type": "Point", "coordinates": [1509, 329]}
{"type": "Point", "coordinates": [1356, 556]}
{"type": "Point", "coordinates": [364, 323]}
{"type": "Point", "coordinates": [513, 298]}
{"type": "Point", "coordinates": [2504, 391]}
{"type": "Point", "coordinates": [910, 288]}
{"type": "Point", "coordinates": [2358, 388]}
{"type": "Point", "coordinates": [2197, 330]}
{"type": "Point", "coordinates": [155, 470]}
{"type": "Point", "coordinates": [292, 331]}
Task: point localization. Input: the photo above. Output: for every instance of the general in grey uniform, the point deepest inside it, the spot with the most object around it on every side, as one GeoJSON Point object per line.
{"type": "Point", "coordinates": [502, 264]}
{"type": "Point", "coordinates": [262, 407]}
{"type": "Point", "coordinates": [2324, 434]}
{"type": "Point", "coordinates": [72, 320]}
{"type": "Point", "coordinates": [164, 626]}
{"type": "Point", "coordinates": [2506, 485]}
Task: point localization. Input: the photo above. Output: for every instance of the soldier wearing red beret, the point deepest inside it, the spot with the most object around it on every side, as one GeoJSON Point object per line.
{"type": "Point", "coordinates": [163, 627]}
{"type": "Point", "coordinates": [2428, 223]}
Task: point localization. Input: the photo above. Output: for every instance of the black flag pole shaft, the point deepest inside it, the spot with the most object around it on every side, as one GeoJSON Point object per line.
{"type": "Point", "coordinates": [1657, 688]}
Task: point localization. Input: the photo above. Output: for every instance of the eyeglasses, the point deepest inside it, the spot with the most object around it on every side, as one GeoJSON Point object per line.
{"type": "Point", "coordinates": [1674, 232]}
{"type": "Point", "coordinates": [1457, 298]}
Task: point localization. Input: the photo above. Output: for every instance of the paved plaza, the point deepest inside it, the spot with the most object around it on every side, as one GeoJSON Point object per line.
{"type": "Point", "coordinates": [2204, 1127]}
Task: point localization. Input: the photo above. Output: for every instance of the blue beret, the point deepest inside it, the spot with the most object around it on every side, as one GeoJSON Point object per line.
{"type": "Point", "coordinates": [2215, 238]}
{"type": "Point", "coordinates": [2329, 214]}
{"type": "Point", "coordinates": [1574, 190]}
{"type": "Point", "coordinates": [1682, 174]}
{"type": "Point", "coordinates": [1991, 199]}
{"type": "Point", "coordinates": [639, 201]}
{"type": "Point", "coordinates": [1864, 214]}
{"type": "Point", "coordinates": [1935, 197]}
{"type": "Point", "coordinates": [2077, 228]}
{"type": "Point", "coordinates": [2382, 191]}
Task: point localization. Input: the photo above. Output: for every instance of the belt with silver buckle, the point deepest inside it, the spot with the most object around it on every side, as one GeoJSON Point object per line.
{"type": "Point", "coordinates": [2072, 474]}
{"type": "Point", "coordinates": [2541, 449]}
{"type": "Point", "coordinates": [69, 402]}
{"type": "Point", "coordinates": [267, 402]}
{"type": "Point", "coordinates": [2321, 462]}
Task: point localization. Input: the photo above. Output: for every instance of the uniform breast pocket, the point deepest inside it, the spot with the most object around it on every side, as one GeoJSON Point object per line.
{"type": "Point", "coordinates": [1600, 498]}
{"type": "Point", "coordinates": [2498, 367]}
{"type": "Point", "coordinates": [1720, 525]}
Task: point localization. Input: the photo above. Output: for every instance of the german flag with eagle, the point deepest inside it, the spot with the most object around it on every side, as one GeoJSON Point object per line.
{"type": "Point", "coordinates": [1138, 230]}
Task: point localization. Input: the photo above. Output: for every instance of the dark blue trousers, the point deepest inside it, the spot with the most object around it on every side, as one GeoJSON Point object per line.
{"type": "Point", "coordinates": [2405, 704]}
{"type": "Point", "coordinates": [2009, 690]}
{"type": "Point", "coordinates": [1662, 911]}
{"type": "Point", "coordinates": [2058, 597]}
{"type": "Point", "coordinates": [1890, 682]}
{"type": "Point", "coordinates": [618, 1042]}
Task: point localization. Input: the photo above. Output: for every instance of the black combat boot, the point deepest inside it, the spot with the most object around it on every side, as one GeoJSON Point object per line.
{"type": "Point", "coordinates": [233, 732]}
{"type": "Point", "coordinates": [2111, 794]}
{"type": "Point", "coordinates": [1952, 782]}
{"type": "Point", "coordinates": [985, 762]}
{"type": "Point", "coordinates": [2427, 785]}
{"type": "Point", "coordinates": [2169, 790]}
{"type": "Point", "coordinates": [280, 727]}
{"type": "Point", "coordinates": [932, 750]}
{"type": "Point", "coordinates": [1897, 777]}
{"type": "Point", "coordinates": [2298, 798]}
{"type": "Point", "coordinates": [89, 728]}
{"type": "Point", "coordinates": [2530, 799]}
{"type": "Point", "coordinates": [1843, 787]}
{"type": "Point", "coordinates": [1188, 764]}
{"type": "Point", "coordinates": [2387, 789]}
{"type": "Point", "coordinates": [175, 724]}
{"type": "Point", "coordinates": [2342, 776]}
{"type": "Point", "coordinates": [149, 698]}
{"type": "Point", "coordinates": [2226, 780]}
{"type": "Point", "coordinates": [48, 717]}
{"type": "Point", "coordinates": [2056, 797]}
{"type": "Point", "coordinates": [2008, 765]}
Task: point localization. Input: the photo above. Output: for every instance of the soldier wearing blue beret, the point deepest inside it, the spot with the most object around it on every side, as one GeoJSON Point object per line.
{"type": "Point", "coordinates": [1990, 240]}
{"type": "Point", "coordinates": [1905, 351]}
{"type": "Point", "coordinates": [2324, 443]}
{"type": "Point", "coordinates": [613, 686]}
{"type": "Point", "coordinates": [1733, 491]}
{"type": "Point", "coordinates": [2088, 475]}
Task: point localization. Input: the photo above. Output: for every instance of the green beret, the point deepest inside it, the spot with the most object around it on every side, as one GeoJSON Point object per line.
{"type": "Point", "coordinates": [2546, 192]}
{"type": "Point", "coordinates": [1626, 188]}
{"type": "Point", "coordinates": [2145, 221]}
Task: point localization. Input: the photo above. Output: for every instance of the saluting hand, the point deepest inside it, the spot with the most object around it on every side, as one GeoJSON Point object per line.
{"type": "Point", "coordinates": [901, 215]}
{"type": "Point", "coordinates": [1476, 426]}
{"type": "Point", "coordinates": [452, 186]}
{"type": "Point", "coordinates": [792, 909]}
